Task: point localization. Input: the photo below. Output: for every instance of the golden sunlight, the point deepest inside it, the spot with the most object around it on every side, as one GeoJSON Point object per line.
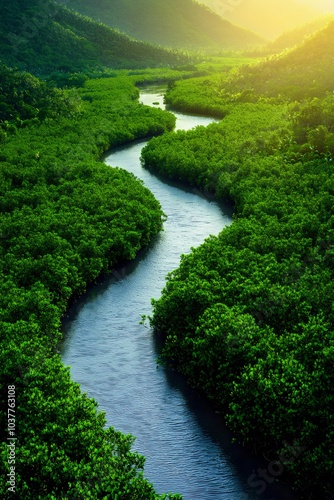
{"type": "Point", "coordinates": [326, 6]}
{"type": "Point", "coordinates": [270, 18]}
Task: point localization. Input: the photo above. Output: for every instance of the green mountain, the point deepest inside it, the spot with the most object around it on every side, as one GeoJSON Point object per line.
{"type": "Point", "coordinates": [305, 71]}
{"type": "Point", "coordinates": [173, 23]}
{"type": "Point", "coordinates": [43, 37]}
{"type": "Point", "coordinates": [295, 37]}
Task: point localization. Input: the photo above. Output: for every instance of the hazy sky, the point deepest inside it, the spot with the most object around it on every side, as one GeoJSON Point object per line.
{"type": "Point", "coordinates": [270, 18]}
{"type": "Point", "coordinates": [323, 5]}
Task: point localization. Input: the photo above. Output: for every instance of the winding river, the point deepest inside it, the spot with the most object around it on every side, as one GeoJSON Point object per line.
{"type": "Point", "coordinates": [186, 445]}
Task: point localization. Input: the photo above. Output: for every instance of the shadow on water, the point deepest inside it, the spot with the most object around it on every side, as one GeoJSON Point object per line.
{"type": "Point", "coordinates": [252, 469]}
{"type": "Point", "coordinates": [95, 290]}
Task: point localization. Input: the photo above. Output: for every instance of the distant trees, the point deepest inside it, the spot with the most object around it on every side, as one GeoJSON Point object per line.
{"type": "Point", "coordinates": [48, 37]}
{"type": "Point", "coordinates": [299, 74]}
{"type": "Point", "coordinates": [181, 24]}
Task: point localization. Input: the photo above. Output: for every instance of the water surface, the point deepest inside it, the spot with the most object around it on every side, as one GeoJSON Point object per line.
{"type": "Point", "coordinates": [113, 357]}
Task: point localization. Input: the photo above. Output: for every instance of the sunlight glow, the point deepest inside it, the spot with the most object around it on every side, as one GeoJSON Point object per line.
{"type": "Point", "coordinates": [326, 6]}
{"type": "Point", "coordinates": [270, 18]}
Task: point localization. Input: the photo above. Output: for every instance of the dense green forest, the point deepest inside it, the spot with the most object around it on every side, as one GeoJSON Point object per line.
{"type": "Point", "coordinates": [248, 316]}
{"type": "Point", "coordinates": [183, 24]}
{"type": "Point", "coordinates": [300, 73]}
{"type": "Point", "coordinates": [66, 219]}
{"type": "Point", "coordinates": [42, 37]}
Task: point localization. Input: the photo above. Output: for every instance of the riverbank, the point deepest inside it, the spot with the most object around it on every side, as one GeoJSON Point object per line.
{"type": "Point", "coordinates": [253, 307]}
{"type": "Point", "coordinates": [67, 218]}
{"type": "Point", "coordinates": [186, 444]}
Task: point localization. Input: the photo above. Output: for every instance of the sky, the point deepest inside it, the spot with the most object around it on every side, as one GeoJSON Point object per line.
{"type": "Point", "coordinates": [270, 18]}
{"type": "Point", "coordinates": [323, 5]}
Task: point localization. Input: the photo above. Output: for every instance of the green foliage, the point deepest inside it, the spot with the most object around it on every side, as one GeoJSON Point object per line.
{"type": "Point", "coordinates": [66, 219]}
{"type": "Point", "coordinates": [43, 37]}
{"type": "Point", "coordinates": [183, 24]}
{"type": "Point", "coordinates": [24, 98]}
{"type": "Point", "coordinates": [248, 316]}
{"type": "Point", "coordinates": [199, 156]}
{"type": "Point", "coordinates": [197, 96]}
{"type": "Point", "coordinates": [300, 74]}
{"type": "Point", "coordinates": [313, 124]}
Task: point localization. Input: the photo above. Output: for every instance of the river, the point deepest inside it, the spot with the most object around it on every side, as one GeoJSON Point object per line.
{"type": "Point", "coordinates": [187, 447]}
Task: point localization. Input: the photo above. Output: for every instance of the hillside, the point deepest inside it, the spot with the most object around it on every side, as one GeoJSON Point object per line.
{"type": "Point", "coordinates": [276, 16]}
{"type": "Point", "coordinates": [173, 23]}
{"type": "Point", "coordinates": [305, 71]}
{"type": "Point", "coordinates": [301, 73]}
{"type": "Point", "coordinates": [51, 38]}
{"type": "Point", "coordinates": [293, 38]}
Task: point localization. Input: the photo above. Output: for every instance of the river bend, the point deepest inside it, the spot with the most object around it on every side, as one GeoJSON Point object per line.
{"type": "Point", "coordinates": [113, 357]}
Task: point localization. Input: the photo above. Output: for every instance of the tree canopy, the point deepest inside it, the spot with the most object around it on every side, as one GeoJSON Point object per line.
{"type": "Point", "coordinates": [66, 220]}
{"type": "Point", "coordinates": [248, 315]}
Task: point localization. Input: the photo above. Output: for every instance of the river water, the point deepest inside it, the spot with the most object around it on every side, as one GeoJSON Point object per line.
{"type": "Point", "coordinates": [186, 445]}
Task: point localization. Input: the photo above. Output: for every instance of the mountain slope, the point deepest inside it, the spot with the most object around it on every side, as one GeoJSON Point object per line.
{"type": "Point", "coordinates": [269, 18]}
{"type": "Point", "coordinates": [173, 23]}
{"type": "Point", "coordinates": [306, 71]}
{"type": "Point", "coordinates": [302, 73]}
{"type": "Point", "coordinates": [44, 37]}
{"type": "Point", "coordinates": [295, 37]}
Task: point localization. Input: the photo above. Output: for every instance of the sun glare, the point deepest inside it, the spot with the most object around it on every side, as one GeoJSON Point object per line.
{"type": "Point", "coordinates": [326, 6]}
{"type": "Point", "coordinates": [270, 18]}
